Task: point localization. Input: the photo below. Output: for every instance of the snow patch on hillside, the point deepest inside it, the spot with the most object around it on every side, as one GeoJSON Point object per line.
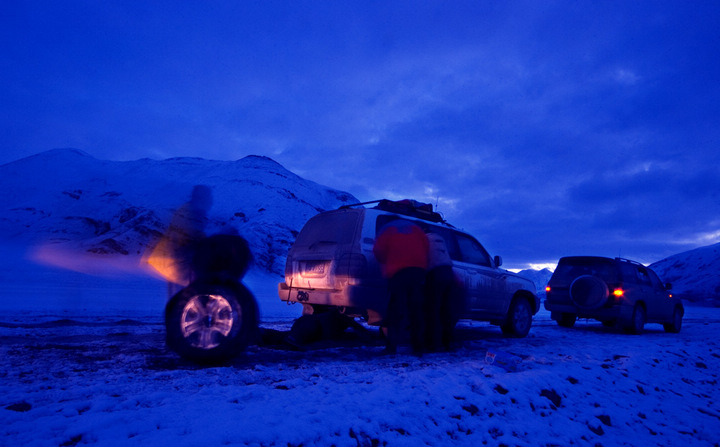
{"type": "Point", "coordinates": [694, 274]}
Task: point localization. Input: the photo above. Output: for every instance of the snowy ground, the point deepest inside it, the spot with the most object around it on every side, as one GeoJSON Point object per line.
{"type": "Point", "coordinates": [83, 361]}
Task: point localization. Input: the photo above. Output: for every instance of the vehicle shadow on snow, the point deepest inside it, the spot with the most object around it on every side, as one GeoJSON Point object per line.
{"type": "Point", "coordinates": [140, 344]}
{"type": "Point", "coordinates": [591, 326]}
{"type": "Point", "coordinates": [357, 342]}
{"type": "Point", "coordinates": [97, 345]}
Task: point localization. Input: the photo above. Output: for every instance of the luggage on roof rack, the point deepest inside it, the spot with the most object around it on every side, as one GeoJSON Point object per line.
{"type": "Point", "coordinates": [409, 207]}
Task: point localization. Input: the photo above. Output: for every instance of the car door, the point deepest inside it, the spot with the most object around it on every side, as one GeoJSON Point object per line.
{"type": "Point", "coordinates": [652, 300]}
{"type": "Point", "coordinates": [662, 304]}
{"type": "Point", "coordinates": [484, 284]}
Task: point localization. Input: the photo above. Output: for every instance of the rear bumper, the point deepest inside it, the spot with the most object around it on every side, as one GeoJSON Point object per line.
{"type": "Point", "coordinates": [617, 312]}
{"type": "Point", "coordinates": [360, 297]}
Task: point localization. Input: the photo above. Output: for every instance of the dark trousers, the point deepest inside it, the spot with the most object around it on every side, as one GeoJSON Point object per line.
{"type": "Point", "coordinates": [406, 308]}
{"type": "Point", "coordinates": [440, 307]}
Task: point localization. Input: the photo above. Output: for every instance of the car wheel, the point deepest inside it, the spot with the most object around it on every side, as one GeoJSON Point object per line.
{"type": "Point", "coordinates": [675, 325]}
{"type": "Point", "coordinates": [566, 319]}
{"type": "Point", "coordinates": [314, 309]}
{"type": "Point", "coordinates": [637, 321]}
{"type": "Point", "coordinates": [589, 292]}
{"type": "Point", "coordinates": [211, 323]}
{"type": "Point", "coordinates": [519, 319]}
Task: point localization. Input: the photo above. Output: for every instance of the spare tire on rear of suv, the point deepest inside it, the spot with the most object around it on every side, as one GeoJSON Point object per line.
{"type": "Point", "coordinates": [589, 292]}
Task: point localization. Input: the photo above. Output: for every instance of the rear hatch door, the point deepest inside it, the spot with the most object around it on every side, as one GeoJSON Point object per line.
{"type": "Point", "coordinates": [321, 255]}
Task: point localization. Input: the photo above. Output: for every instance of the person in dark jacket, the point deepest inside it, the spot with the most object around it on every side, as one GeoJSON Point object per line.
{"type": "Point", "coordinates": [172, 256]}
{"type": "Point", "coordinates": [440, 305]}
{"type": "Point", "coordinates": [221, 257]}
{"type": "Point", "coordinates": [402, 250]}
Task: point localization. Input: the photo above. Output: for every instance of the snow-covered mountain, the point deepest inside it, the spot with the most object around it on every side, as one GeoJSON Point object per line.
{"type": "Point", "coordinates": [70, 199]}
{"type": "Point", "coordinates": [694, 274]}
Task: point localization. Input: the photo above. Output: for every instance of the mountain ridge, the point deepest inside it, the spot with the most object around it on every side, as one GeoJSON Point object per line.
{"type": "Point", "coordinates": [67, 197]}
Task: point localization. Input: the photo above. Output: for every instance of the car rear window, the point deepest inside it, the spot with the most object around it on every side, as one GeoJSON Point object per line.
{"type": "Point", "coordinates": [337, 228]}
{"type": "Point", "coordinates": [569, 269]}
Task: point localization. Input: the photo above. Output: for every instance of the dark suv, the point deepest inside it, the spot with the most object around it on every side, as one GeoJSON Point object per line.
{"type": "Point", "coordinates": [614, 291]}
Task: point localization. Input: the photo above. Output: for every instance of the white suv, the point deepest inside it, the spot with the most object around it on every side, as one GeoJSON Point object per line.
{"type": "Point", "coordinates": [331, 265]}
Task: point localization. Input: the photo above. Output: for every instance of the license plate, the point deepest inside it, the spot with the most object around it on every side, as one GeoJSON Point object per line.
{"type": "Point", "coordinates": [314, 268]}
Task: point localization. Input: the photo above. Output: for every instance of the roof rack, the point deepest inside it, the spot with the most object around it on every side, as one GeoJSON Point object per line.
{"type": "Point", "coordinates": [630, 261]}
{"type": "Point", "coordinates": [406, 207]}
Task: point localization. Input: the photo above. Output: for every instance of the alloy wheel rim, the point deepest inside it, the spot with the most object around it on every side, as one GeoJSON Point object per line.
{"type": "Point", "coordinates": [206, 320]}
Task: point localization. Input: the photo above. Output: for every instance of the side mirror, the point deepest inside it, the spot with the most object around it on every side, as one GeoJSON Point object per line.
{"type": "Point", "coordinates": [668, 286]}
{"type": "Point", "coordinates": [498, 261]}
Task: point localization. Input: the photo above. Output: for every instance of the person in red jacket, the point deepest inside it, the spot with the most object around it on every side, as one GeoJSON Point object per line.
{"type": "Point", "coordinates": [402, 250]}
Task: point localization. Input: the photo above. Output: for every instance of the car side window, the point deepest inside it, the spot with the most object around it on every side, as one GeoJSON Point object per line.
{"type": "Point", "coordinates": [461, 247]}
{"type": "Point", "coordinates": [629, 273]}
{"type": "Point", "coordinates": [656, 283]}
{"type": "Point", "coordinates": [448, 235]}
{"type": "Point", "coordinates": [643, 276]}
{"type": "Point", "coordinates": [382, 221]}
{"type": "Point", "coordinates": [472, 252]}
{"type": "Point", "coordinates": [450, 241]}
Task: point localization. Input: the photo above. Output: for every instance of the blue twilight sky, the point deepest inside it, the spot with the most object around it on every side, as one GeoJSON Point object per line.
{"type": "Point", "coordinates": [546, 128]}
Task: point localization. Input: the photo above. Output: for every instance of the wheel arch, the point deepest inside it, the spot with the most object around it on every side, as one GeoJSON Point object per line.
{"type": "Point", "coordinates": [530, 297]}
{"type": "Point", "coordinates": [681, 307]}
{"type": "Point", "coordinates": [510, 323]}
{"type": "Point", "coordinates": [641, 303]}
